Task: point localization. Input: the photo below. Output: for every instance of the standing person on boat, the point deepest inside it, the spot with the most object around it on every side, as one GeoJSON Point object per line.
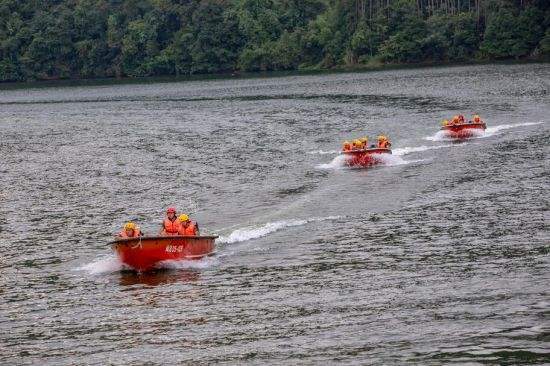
{"type": "Point", "coordinates": [187, 227]}
{"type": "Point", "coordinates": [130, 230]}
{"type": "Point", "coordinates": [170, 225]}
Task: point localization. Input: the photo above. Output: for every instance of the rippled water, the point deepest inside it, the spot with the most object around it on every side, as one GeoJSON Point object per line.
{"type": "Point", "coordinates": [440, 255]}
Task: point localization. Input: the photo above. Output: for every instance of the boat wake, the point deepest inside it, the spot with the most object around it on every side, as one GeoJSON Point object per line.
{"type": "Point", "coordinates": [105, 264]}
{"type": "Point", "coordinates": [339, 162]}
{"type": "Point", "coordinates": [255, 232]}
{"type": "Point", "coordinates": [490, 131]}
{"type": "Point", "coordinates": [111, 264]}
{"type": "Point", "coordinates": [323, 152]}
{"type": "Point", "coordinates": [409, 150]}
{"type": "Point", "coordinates": [203, 263]}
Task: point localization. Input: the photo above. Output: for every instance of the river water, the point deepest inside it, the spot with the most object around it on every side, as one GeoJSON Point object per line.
{"type": "Point", "coordinates": [440, 255]}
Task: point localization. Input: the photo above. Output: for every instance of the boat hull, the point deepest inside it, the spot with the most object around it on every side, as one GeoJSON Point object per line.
{"type": "Point", "coordinates": [365, 158]}
{"type": "Point", "coordinates": [145, 253]}
{"type": "Point", "coordinates": [464, 131]}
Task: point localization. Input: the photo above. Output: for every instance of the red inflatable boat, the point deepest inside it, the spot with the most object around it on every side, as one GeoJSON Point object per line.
{"type": "Point", "coordinates": [464, 130]}
{"type": "Point", "coordinates": [144, 253]}
{"type": "Point", "coordinates": [365, 157]}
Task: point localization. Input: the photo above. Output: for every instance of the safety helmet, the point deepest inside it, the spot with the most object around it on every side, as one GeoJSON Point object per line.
{"type": "Point", "coordinates": [171, 209]}
{"type": "Point", "coordinates": [129, 226]}
{"type": "Point", "coordinates": [183, 218]}
{"type": "Point", "coordinates": [382, 138]}
{"type": "Point", "coordinates": [364, 139]}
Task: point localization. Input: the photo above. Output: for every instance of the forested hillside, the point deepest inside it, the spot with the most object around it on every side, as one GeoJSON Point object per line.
{"type": "Point", "coordinates": [50, 39]}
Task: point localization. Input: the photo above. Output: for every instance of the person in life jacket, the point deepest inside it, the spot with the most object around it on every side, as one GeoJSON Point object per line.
{"type": "Point", "coordinates": [346, 146]}
{"type": "Point", "coordinates": [187, 227]}
{"type": "Point", "coordinates": [364, 142]}
{"type": "Point", "coordinates": [171, 224]}
{"type": "Point", "coordinates": [130, 230]}
{"type": "Point", "coordinates": [455, 120]}
{"type": "Point", "coordinates": [357, 145]}
{"type": "Point", "coordinates": [383, 142]}
{"type": "Point", "coordinates": [445, 122]}
{"type": "Point", "coordinates": [461, 119]}
{"type": "Point", "coordinates": [477, 119]}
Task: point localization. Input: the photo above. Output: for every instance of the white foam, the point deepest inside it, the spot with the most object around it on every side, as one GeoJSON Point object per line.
{"type": "Point", "coordinates": [105, 264]}
{"type": "Point", "coordinates": [255, 232]}
{"type": "Point", "coordinates": [408, 150]}
{"type": "Point", "coordinates": [323, 152]}
{"type": "Point", "coordinates": [202, 263]}
{"type": "Point", "coordinates": [439, 136]}
{"type": "Point", "coordinates": [490, 131]}
{"type": "Point", "coordinates": [338, 162]}
{"type": "Point", "coordinates": [393, 160]}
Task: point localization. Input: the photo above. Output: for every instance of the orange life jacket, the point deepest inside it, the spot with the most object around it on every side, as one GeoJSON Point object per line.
{"type": "Point", "coordinates": [384, 144]}
{"type": "Point", "coordinates": [347, 147]}
{"type": "Point", "coordinates": [171, 227]}
{"type": "Point", "coordinates": [191, 230]}
{"type": "Point", "coordinates": [123, 234]}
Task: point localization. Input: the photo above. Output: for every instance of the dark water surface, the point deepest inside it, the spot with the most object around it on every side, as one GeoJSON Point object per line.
{"type": "Point", "coordinates": [439, 256]}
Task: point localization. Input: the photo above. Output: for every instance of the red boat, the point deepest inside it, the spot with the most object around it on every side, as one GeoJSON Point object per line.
{"type": "Point", "coordinates": [464, 130]}
{"type": "Point", "coordinates": [365, 157]}
{"type": "Point", "coordinates": [145, 253]}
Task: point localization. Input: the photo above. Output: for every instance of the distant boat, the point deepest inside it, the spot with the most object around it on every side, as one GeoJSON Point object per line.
{"type": "Point", "coordinates": [365, 157]}
{"type": "Point", "coordinates": [147, 252]}
{"type": "Point", "coordinates": [464, 130]}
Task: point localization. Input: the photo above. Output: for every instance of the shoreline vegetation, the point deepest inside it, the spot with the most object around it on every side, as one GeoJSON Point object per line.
{"type": "Point", "coordinates": [11, 85]}
{"type": "Point", "coordinates": [111, 41]}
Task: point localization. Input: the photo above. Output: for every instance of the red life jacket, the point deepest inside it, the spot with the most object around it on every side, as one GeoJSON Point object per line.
{"type": "Point", "coordinates": [123, 234]}
{"type": "Point", "coordinates": [191, 230]}
{"type": "Point", "coordinates": [171, 227]}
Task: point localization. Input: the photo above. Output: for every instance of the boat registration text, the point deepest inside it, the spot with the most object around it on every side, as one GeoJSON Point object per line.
{"type": "Point", "coordinates": [174, 248]}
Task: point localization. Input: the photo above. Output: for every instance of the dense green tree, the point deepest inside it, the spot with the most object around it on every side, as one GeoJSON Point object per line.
{"type": "Point", "coordinates": [509, 35]}
{"type": "Point", "coordinates": [106, 38]}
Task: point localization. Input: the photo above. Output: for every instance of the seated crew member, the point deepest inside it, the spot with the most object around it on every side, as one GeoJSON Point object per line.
{"type": "Point", "coordinates": [187, 227]}
{"type": "Point", "coordinates": [346, 146]}
{"type": "Point", "coordinates": [130, 230]}
{"type": "Point", "coordinates": [171, 224]}
{"type": "Point", "coordinates": [445, 122]}
{"type": "Point", "coordinates": [454, 121]}
{"type": "Point", "coordinates": [461, 119]}
{"type": "Point", "coordinates": [364, 142]}
{"type": "Point", "coordinates": [477, 119]}
{"type": "Point", "coordinates": [356, 145]}
{"type": "Point", "coordinates": [383, 142]}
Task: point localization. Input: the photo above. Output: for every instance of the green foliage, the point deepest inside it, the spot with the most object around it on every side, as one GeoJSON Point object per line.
{"type": "Point", "coordinates": [106, 38]}
{"type": "Point", "coordinates": [545, 43]}
{"type": "Point", "coordinates": [509, 35]}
